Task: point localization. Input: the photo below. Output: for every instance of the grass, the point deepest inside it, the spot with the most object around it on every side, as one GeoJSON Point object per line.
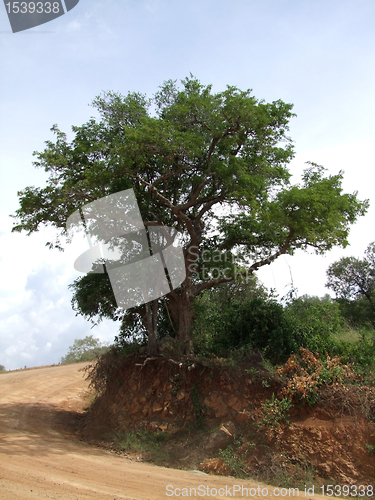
{"type": "Point", "coordinates": [348, 336]}
{"type": "Point", "coordinates": [144, 443]}
{"type": "Point", "coordinates": [275, 472]}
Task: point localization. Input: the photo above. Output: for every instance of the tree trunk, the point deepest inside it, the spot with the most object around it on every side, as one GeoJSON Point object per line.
{"type": "Point", "coordinates": [151, 322]}
{"type": "Point", "coordinates": [369, 298]}
{"type": "Point", "coordinates": [185, 321]}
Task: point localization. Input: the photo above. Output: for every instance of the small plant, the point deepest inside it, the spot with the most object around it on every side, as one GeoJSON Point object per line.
{"type": "Point", "coordinates": [275, 412]}
{"type": "Point", "coordinates": [253, 372]}
{"type": "Point", "coordinates": [251, 445]}
{"type": "Point", "coordinates": [274, 470]}
{"type": "Point", "coordinates": [268, 366]}
{"type": "Point", "coordinates": [370, 448]}
{"type": "Point", "coordinates": [233, 461]}
{"type": "Point", "coordinates": [175, 382]}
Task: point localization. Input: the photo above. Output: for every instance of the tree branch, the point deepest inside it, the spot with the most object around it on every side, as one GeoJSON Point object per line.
{"type": "Point", "coordinates": [226, 279]}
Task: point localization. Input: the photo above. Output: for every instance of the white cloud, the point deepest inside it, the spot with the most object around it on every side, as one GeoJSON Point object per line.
{"type": "Point", "coordinates": [74, 25]}
{"type": "Point", "coordinates": [37, 323]}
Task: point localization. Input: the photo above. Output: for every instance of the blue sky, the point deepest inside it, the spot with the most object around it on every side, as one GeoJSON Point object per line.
{"type": "Point", "coordinates": [317, 55]}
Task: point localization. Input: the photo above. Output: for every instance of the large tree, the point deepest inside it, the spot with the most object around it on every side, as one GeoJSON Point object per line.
{"type": "Point", "coordinates": [351, 278]}
{"type": "Point", "coordinates": [86, 349]}
{"type": "Point", "coordinates": [211, 165]}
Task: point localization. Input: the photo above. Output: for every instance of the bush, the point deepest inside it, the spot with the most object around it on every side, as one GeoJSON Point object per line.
{"type": "Point", "coordinates": [358, 312]}
{"type": "Point", "coordinates": [240, 317]}
{"type": "Point", "coordinates": [254, 324]}
{"type": "Point", "coordinates": [360, 352]}
{"type": "Point", "coordinates": [102, 370]}
{"type": "Point", "coordinates": [213, 309]}
{"type": "Point", "coordinates": [315, 324]}
{"type": "Point", "coordinates": [275, 412]}
{"type": "Point", "coordinates": [260, 323]}
{"type": "Point", "coordinates": [319, 316]}
{"type": "Point", "coordinates": [236, 321]}
{"type": "Point", "coordinates": [304, 375]}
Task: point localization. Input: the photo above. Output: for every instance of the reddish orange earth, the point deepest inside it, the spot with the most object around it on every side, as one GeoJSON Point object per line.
{"type": "Point", "coordinates": [42, 456]}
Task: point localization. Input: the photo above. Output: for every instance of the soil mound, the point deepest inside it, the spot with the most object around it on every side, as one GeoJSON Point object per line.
{"type": "Point", "coordinates": [334, 439]}
{"type": "Point", "coordinates": [163, 394]}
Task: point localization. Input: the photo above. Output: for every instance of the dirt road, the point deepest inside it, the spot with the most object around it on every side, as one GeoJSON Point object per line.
{"type": "Point", "coordinates": [40, 457]}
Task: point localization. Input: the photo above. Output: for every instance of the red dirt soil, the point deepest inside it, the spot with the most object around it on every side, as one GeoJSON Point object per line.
{"type": "Point", "coordinates": [41, 455]}
{"type": "Point", "coordinates": [334, 438]}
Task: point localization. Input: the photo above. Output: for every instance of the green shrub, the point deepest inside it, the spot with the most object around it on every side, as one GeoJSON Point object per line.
{"type": "Point", "coordinates": [255, 323]}
{"type": "Point", "coordinates": [314, 322]}
{"type": "Point", "coordinates": [275, 412]}
{"type": "Point", "coordinates": [360, 352]}
{"type": "Point", "coordinates": [233, 461]}
{"type": "Point", "coordinates": [236, 322]}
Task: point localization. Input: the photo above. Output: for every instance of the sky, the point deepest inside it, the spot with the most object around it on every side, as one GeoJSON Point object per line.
{"type": "Point", "coordinates": [315, 54]}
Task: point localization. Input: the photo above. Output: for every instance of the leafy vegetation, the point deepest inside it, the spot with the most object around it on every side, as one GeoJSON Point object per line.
{"type": "Point", "coordinates": [353, 281]}
{"type": "Point", "coordinates": [244, 317]}
{"type": "Point", "coordinates": [233, 460]}
{"type": "Point", "coordinates": [238, 318]}
{"type": "Point", "coordinates": [302, 376]}
{"type": "Point", "coordinates": [86, 349]}
{"type": "Point", "coordinates": [275, 412]}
